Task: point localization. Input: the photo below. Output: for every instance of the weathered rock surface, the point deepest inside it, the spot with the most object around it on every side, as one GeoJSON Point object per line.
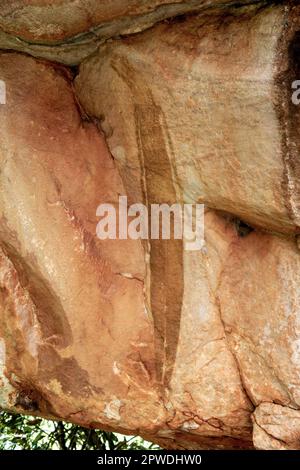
{"type": "Point", "coordinates": [190, 349]}
{"type": "Point", "coordinates": [216, 92]}
{"type": "Point", "coordinates": [68, 31]}
{"type": "Point", "coordinates": [276, 427]}
{"type": "Point", "coordinates": [65, 297]}
{"type": "Point", "coordinates": [76, 325]}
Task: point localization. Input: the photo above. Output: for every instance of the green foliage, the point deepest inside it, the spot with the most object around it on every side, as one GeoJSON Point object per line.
{"type": "Point", "coordinates": [30, 433]}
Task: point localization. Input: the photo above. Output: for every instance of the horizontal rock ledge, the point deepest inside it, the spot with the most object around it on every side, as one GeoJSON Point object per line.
{"type": "Point", "coordinates": [68, 32]}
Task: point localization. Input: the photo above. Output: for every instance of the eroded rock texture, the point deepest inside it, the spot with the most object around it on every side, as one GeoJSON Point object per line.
{"type": "Point", "coordinates": [190, 349]}
{"type": "Point", "coordinates": [219, 87]}
{"type": "Point", "coordinates": [68, 31]}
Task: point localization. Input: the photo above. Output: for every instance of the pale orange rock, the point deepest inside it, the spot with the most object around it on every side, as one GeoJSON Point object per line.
{"type": "Point", "coordinates": [189, 349]}
{"type": "Point", "coordinates": [57, 20]}
{"type": "Point", "coordinates": [259, 302]}
{"type": "Point", "coordinates": [212, 93]}
{"type": "Point", "coordinates": [68, 31]}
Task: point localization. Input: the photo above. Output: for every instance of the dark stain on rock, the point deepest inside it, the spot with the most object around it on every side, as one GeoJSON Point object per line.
{"type": "Point", "coordinates": [30, 399]}
{"type": "Point", "coordinates": [157, 181]}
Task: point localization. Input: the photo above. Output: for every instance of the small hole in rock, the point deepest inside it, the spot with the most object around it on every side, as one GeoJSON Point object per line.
{"type": "Point", "coordinates": [242, 228]}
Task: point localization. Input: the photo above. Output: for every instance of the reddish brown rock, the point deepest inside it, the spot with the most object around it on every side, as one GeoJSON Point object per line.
{"type": "Point", "coordinates": [72, 306]}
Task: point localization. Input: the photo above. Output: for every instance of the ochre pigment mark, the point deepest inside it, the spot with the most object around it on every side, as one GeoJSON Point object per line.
{"type": "Point", "coordinates": [159, 186]}
{"type": "Point", "coordinates": [66, 371]}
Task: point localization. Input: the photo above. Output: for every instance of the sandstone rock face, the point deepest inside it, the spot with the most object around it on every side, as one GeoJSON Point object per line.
{"type": "Point", "coordinates": [69, 31]}
{"type": "Point", "coordinates": [65, 298]}
{"type": "Point", "coordinates": [190, 349]}
{"type": "Point", "coordinates": [276, 427]}
{"type": "Point", "coordinates": [226, 137]}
